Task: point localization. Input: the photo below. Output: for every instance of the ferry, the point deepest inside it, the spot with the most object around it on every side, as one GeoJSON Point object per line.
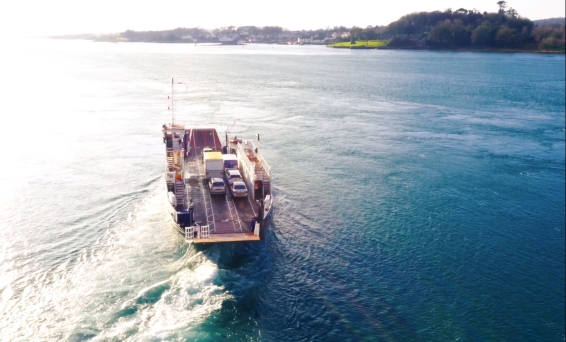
{"type": "Point", "coordinates": [204, 211]}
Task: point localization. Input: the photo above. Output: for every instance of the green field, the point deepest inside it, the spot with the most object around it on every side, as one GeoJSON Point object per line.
{"type": "Point", "coordinates": [373, 44]}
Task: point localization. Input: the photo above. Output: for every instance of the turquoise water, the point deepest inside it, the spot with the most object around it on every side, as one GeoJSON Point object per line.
{"type": "Point", "coordinates": [419, 195]}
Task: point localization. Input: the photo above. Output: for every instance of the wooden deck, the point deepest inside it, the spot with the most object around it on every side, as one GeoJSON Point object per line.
{"type": "Point", "coordinates": [229, 218]}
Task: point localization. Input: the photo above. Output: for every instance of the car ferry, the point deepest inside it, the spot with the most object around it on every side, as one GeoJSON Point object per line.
{"type": "Point", "coordinates": [196, 161]}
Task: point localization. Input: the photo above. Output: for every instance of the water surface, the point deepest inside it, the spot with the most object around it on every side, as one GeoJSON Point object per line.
{"type": "Point", "coordinates": [419, 195]}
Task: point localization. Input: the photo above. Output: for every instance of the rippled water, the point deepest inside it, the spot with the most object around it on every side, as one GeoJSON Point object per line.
{"type": "Point", "coordinates": [419, 195]}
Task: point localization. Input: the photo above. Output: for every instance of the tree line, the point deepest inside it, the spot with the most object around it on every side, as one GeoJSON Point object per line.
{"type": "Point", "coordinates": [203, 35]}
{"type": "Point", "coordinates": [469, 28]}
{"type": "Point", "coordinates": [461, 28]}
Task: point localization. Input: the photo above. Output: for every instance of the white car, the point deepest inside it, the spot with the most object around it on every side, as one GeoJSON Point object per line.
{"type": "Point", "coordinates": [232, 175]}
{"type": "Point", "coordinates": [217, 186]}
{"type": "Point", "coordinates": [238, 189]}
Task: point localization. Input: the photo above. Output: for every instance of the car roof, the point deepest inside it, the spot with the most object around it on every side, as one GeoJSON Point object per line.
{"type": "Point", "coordinates": [233, 171]}
{"type": "Point", "coordinates": [238, 183]}
{"type": "Point", "coordinates": [215, 179]}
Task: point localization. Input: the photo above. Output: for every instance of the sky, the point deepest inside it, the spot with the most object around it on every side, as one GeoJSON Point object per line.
{"type": "Point", "coordinates": [40, 17]}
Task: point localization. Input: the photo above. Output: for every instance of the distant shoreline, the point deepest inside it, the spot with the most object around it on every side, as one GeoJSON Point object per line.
{"type": "Point", "coordinates": [447, 49]}
{"type": "Point", "coordinates": [460, 30]}
{"type": "Point", "coordinates": [332, 46]}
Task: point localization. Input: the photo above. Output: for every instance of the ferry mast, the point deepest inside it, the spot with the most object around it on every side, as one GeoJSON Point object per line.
{"type": "Point", "coordinates": [172, 102]}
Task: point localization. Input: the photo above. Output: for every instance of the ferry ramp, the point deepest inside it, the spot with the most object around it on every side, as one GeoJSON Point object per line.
{"type": "Point", "coordinates": [204, 137]}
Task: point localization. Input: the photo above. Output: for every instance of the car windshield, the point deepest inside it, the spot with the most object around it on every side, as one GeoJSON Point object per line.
{"type": "Point", "coordinates": [218, 184]}
{"type": "Point", "coordinates": [240, 187]}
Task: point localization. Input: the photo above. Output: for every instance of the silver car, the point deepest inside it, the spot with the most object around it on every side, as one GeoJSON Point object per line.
{"type": "Point", "coordinates": [217, 186]}
{"type": "Point", "coordinates": [238, 189]}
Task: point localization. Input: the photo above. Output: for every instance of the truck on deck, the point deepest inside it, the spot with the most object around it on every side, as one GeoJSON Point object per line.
{"type": "Point", "coordinates": [213, 165]}
{"type": "Point", "coordinates": [230, 161]}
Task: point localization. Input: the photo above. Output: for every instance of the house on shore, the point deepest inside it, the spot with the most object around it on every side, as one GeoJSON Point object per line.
{"type": "Point", "coordinates": [304, 40]}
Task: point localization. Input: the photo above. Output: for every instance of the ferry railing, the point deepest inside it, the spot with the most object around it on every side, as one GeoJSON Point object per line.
{"type": "Point", "coordinates": [249, 165]}
{"type": "Point", "coordinates": [248, 168]}
{"type": "Point", "coordinates": [205, 232]}
{"type": "Point", "coordinates": [190, 232]}
{"type": "Point", "coordinates": [265, 166]}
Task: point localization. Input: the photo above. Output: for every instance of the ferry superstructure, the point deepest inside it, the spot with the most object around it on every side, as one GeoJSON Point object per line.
{"type": "Point", "coordinates": [205, 218]}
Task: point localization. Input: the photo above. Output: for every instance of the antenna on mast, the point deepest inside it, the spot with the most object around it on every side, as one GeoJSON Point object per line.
{"type": "Point", "coordinates": [228, 132]}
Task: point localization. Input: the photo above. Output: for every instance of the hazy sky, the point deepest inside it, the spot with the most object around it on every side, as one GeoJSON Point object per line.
{"type": "Point", "coordinates": [33, 17]}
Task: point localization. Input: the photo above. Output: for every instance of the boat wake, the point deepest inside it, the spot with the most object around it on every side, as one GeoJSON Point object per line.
{"type": "Point", "coordinates": [169, 309]}
{"type": "Point", "coordinates": [139, 281]}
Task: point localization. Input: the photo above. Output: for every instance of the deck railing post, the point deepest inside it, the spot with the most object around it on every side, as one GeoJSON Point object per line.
{"type": "Point", "coordinates": [189, 233]}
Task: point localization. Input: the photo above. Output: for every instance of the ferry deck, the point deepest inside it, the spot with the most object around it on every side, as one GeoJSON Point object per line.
{"type": "Point", "coordinates": [229, 219]}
